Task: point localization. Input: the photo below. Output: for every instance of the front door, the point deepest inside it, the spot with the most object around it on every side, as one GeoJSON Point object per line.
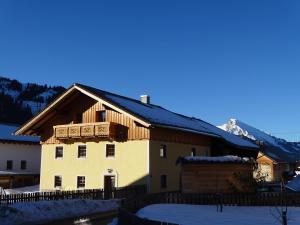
{"type": "Point", "coordinates": [109, 185]}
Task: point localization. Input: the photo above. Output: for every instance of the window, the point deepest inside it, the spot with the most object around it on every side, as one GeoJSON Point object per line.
{"type": "Point", "coordinates": [78, 118]}
{"type": "Point", "coordinates": [163, 181]}
{"type": "Point", "coordinates": [57, 181]}
{"type": "Point", "coordinates": [23, 164]}
{"type": "Point", "coordinates": [101, 116]}
{"type": "Point", "coordinates": [110, 150]}
{"type": "Point", "coordinates": [9, 164]}
{"type": "Point", "coordinates": [59, 152]}
{"type": "Point", "coordinates": [193, 152]}
{"type": "Point", "coordinates": [81, 151]}
{"type": "Point", "coordinates": [163, 151]}
{"type": "Point", "coordinates": [80, 182]}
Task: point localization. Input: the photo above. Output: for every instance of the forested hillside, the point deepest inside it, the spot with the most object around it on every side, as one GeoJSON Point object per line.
{"type": "Point", "coordinates": [20, 101]}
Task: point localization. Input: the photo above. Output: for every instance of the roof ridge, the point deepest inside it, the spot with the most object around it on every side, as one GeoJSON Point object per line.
{"type": "Point", "coordinates": [117, 95]}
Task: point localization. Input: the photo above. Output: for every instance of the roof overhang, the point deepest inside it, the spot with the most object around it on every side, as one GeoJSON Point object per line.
{"type": "Point", "coordinates": [7, 141]}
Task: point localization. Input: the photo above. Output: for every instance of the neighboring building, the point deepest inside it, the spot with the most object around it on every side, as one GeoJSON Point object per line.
{"type": "Point", "coordinates": [96, 139]}
{"type": "Point", "coordinates": [275, 164]}
{"type": "Point", "coordinates": [277, 158]}
{"type": "Point", "coordinates": [20, 158]}
{"type": "Point", "coordinates": [221, 174]}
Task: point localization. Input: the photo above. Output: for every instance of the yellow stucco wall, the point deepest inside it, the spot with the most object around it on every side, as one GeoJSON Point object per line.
{"type": "Point", "coordinates": [130, 164]}
{"type": "Point", "coordinates": [167, 166]}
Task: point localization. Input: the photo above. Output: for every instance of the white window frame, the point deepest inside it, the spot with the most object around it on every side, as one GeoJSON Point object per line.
{"type": "Point", "coordinates": [110, 157]}
{"type": "Point", "coordinates": [163, 149]}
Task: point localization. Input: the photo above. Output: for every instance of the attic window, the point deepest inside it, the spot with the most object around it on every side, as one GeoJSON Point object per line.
{"type": "Point", "coordinates": [163, 151]}
{"type": "Point", "coordinates": [101, 116]}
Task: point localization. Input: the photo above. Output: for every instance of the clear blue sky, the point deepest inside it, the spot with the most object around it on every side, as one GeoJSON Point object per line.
{"type": "Point", "coordinates": [210, 59]}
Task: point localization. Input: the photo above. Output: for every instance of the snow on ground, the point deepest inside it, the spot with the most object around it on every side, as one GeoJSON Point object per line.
{"type": "Point", "coordinates": [27, 189]}
{"type": "Point", "coordinates": [207, 215]}
{"type": "Point", "coordinates": [47, 211]}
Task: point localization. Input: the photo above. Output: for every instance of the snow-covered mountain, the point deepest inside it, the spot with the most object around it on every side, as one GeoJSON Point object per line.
{"type": "Point", "coordinates": [20, 101]}
{"type": "Point", "coordinates": [277, 148]}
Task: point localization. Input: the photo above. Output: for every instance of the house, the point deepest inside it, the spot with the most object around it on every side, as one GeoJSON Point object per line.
{"type": "Point", "coordinates": [20, 158]}
{"type": "Point", "coordinates": [275, 163]}
{"type": "Point", "coordinates": [96, 139]}
{"type": "Point", "coordinates": [218, 174]}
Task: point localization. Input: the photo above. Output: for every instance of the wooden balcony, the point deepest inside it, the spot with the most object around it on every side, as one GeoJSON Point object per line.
{"type": "Point", "coordinates": [86, 130]}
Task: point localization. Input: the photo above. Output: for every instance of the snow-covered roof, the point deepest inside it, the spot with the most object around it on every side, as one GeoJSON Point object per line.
{"type": "Point", "coordinates": [159, 116]}
{"type": "Point", "coordinates": [5, 172]}
{"type": "Point", "coordinates": [6, 134]}
{"type": "Point", "coordinates": [215, 159]}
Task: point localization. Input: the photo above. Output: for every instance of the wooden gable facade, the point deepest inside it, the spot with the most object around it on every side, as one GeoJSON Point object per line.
{"type": "Point", "coordinates": [125, 127]}
{"type": "Point", "coordinates": [66, 116]}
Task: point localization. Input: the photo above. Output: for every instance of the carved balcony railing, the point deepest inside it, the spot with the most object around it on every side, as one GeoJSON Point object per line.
{"type": "Point", "coordinates": [86, 130]}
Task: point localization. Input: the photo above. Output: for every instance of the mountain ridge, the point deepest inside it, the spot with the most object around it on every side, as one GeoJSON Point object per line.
{"type": "Point", "coordinates": [277, 148]}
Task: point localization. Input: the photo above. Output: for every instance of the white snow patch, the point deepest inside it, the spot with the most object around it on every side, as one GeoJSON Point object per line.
{"type": "Point", "coordinates": [47, 94]}
{"type": "Point", "coordinates": [207, 215]}
{"type": "Point", "coordinates": [27, 189]}
{"type": "Point", "coordinates": [47, 211]}
{"type": "Point", "coordinates": [35, 106]}
{"type": "Point", "coordinates": [227, 158]}
{"type": "Point", "coordinates": [12, 93]}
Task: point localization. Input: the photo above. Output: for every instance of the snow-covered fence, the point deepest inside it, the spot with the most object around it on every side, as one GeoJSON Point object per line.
{"type": "Point", "coordinates": [235, 199]}
{"type": "Point", "coordinates": [228, 199]}
{"type": "Point", "coordinates": [94, 194]}
{"type": "Point", "coordinates": [131, 205]}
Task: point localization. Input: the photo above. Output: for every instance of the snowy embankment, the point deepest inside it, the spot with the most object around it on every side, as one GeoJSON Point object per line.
{"type": "Point", "coordinates": [47, 211]}
{"type": "Point", "coordinates": [207, 215]}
